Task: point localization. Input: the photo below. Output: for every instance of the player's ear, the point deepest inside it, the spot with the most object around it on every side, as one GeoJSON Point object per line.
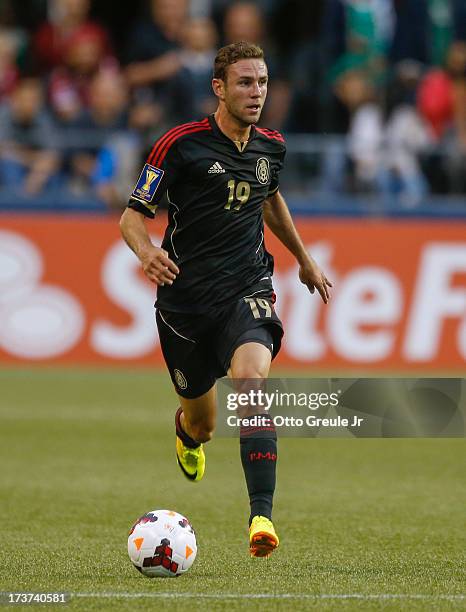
{"type": "Point", "coordinates": [218, 85]}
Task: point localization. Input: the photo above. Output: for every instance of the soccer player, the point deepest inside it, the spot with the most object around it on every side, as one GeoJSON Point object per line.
{"type": "Point", "coordinates": [214, 308]}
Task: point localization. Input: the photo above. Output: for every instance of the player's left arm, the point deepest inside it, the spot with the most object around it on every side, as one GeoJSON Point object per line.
{"type": "Point", "coordinates": [278, 218]}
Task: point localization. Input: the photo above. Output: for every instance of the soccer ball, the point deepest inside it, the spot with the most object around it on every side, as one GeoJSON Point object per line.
{"type": "Point", "coordinates": [162, 543]}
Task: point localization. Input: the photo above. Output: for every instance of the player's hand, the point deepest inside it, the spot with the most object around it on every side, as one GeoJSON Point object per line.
{"type": "Point", "coordinates": [312, 276]}
{"type": "Point", "coordinates": [158, 267]}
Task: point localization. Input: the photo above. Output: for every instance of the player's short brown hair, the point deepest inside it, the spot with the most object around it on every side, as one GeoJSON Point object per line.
{"type": "Point", "coordinates": [233, 53]}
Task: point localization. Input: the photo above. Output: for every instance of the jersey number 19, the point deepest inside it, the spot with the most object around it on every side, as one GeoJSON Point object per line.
{"type": "Point", "coordinates": [239, 192]}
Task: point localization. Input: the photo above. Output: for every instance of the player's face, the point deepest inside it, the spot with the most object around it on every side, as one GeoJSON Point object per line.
{"type": "Point", "coordinates": [246, 89]}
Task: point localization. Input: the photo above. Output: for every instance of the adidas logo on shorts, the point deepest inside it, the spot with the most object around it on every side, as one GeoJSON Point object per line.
{"type": "Point", "coordinates": [216, 169]}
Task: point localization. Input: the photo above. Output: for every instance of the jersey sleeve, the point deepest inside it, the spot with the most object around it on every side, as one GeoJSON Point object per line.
{"type": "Point", "coordinates": [275, 179]}
{"type": "Point", "coordinates": [160, 171]}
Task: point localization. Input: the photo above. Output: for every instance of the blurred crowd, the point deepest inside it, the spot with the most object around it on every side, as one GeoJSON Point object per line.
{"type": "Point", "coordinates": [85, 88]}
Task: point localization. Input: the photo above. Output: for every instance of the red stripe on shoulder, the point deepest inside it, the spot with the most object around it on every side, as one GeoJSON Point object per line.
{"type": "Point", "coordinates": [164, 139]}
{"type": "Point", "coordinates": [166, 147]}
{"type": "Point", "coordinates": [270, 134]}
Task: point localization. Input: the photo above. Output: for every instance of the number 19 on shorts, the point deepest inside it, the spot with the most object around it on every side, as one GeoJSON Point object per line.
{"type": "Point", "coordinates": [260, 307]}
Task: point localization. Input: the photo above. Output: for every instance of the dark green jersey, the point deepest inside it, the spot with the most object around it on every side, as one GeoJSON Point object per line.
{"type": "Point", "coordinates": [215, 233]}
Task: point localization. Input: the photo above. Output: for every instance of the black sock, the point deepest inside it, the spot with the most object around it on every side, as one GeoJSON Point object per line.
{"type": "Point", "coordinates": [180, 432]}
{"type": "Point", "coordinates": [258, 447]}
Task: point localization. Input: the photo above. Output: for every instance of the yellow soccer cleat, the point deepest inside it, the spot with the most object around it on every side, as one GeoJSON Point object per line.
{"type": "Point", "coordinates": [190, 460]}
{"type": "Point", "coordinates": [262, 537]}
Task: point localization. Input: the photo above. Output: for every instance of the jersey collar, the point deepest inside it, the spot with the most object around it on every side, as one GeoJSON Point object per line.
{"type": "Point", "coordinates": [220, 134]}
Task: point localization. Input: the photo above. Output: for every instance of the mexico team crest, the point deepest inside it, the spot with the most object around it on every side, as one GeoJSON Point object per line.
{"type": "Point", "coordinates": [180, 379]}
{"type": "Point", "coordinates": [263, 170]}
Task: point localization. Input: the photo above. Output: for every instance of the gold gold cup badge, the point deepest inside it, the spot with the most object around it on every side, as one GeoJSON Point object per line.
{"type": "Point", "coordinates": [150, 178]}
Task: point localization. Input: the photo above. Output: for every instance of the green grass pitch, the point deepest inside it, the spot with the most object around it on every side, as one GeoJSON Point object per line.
{"type": "Point", "coordinates": [364, 524]}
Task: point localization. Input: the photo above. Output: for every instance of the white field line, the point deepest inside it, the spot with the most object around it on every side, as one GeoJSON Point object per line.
{"type": "Point", "coordinates": [308, 596]}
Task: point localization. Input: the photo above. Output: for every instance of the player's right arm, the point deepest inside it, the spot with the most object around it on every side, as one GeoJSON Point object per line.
{"type": "Point", "coordinates": [159, 172]}
{"type": "Point", "coordinates": [157, 266]}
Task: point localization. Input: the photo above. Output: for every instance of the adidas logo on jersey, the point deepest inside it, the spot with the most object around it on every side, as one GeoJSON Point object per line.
{"type": "Point", "coordinates": [216, 169]}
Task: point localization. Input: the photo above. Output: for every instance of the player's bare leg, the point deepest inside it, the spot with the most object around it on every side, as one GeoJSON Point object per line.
{"type": "Point", "coordinates": [258, 452]}
{"type": "Point", "coordinates": [195, 423]}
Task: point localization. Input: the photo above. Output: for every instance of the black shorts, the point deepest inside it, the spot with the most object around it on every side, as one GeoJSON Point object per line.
{"type": "Point", "coordinates": [198, 348]}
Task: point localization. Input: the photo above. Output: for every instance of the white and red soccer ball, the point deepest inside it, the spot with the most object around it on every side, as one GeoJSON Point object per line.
{"type": "Point", "coordinates": [162, 543]}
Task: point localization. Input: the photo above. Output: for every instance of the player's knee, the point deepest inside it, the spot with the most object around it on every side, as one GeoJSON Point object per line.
{"type": "Point", "coordinates": [250, 370]}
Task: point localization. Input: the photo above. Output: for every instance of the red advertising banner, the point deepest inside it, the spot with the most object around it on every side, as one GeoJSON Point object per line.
{"type": "Point", "coordinates": [71, 292]}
